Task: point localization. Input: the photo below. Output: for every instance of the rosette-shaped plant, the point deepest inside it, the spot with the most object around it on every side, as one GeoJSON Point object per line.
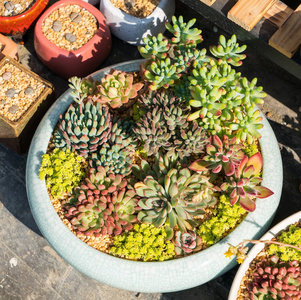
{"type": "Point", "coordinates": [186, 242]}
{"type": "Point", "coordinates": [165, 116]}
{"type": "Point", "coordinates": [82, 88]}
{"type": "Point", "coordinates": [222, 155]}
{"type": "Point", "coordinates": [170, 199]}
{"type": "Point", "coordinates": [243, 185]}
{"type": "Point", "coordinates": [191, 139]}
{"type": "Point", "coordinates": [117, 88]}
{"type": "Point", "coordinates": [274, 279]}
{"type": "Point", "coordinates": [83, 128]}
{"type": "Point", "coordinates": [102, 205]}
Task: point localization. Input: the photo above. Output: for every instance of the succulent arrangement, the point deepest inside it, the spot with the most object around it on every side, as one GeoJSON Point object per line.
{"type": "Point", "coordinates": [170, 153]}
{"type": "Point", "coordinates": [275, 272]}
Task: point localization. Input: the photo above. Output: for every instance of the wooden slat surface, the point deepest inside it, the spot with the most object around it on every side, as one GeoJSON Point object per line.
{"type": "Point", "coordinates": [247, 13]}
{"type": "Point", "coordinates": [208, 2]}
{"type": "Point", "coordinates": [278, 13]}
{"type": "Point", "coordinates": [287, 38]}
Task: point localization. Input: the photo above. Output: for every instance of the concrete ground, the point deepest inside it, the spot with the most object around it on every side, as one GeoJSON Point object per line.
{"type": "Point", "coordinates": [31, 269]}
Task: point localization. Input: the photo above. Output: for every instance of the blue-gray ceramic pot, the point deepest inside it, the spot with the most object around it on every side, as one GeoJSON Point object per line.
{"type": "Point", "coordinates": [148, 277]}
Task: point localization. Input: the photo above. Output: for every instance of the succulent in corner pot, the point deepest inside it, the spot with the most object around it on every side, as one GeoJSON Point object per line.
{"type": "Point", "coordinates": [171, 160]}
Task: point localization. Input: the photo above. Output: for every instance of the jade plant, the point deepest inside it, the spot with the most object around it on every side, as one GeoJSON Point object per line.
{"type": "Point", "coordinates": [170, 152]}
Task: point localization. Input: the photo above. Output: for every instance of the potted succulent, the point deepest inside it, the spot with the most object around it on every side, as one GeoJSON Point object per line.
{"type": "Point", "coordinates": [132, 29]}
{"type": "Point", "coordinates": [18, 17]}
{"type": "Point", "coordinates": [155, 165]}
{"type": "Point", "coordinates": [271, 270]}
{"type": "Point", "coordinates": [73, 33]}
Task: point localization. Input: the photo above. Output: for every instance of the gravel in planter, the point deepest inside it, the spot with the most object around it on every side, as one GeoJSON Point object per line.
{"type": "Point", "coordinates": [70, 27]}
{"type": "Point", "coordinates": [18, 91]}
{"type": "Point", "coordinates": [14, 8]}
{"type": "Point", "coordinates": [137, 8]}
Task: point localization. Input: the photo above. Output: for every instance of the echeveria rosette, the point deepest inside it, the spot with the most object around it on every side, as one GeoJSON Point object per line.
{"type": "Point", "coordinates": [186, 242]}
{"type": "Point", "coordinates": [274, 279]}
{"type": "Point", "coordinates": [102, 205]}
{"type": "Point", "coordinates": [229, 51]}
{"type": "Point", "coordinates": [160, 73]}
{"type": "Point", "coordinates": [247, 125]}
{"type": "Point", "coordinates": [155, 47]}
{"type": "Point", "coordinates": [117, 88]}
{"type": "Point", "coordinates": [183, 33]}
{"type": "Point", "coordinates": [243, 186]}
{"type": "Point", "coordinates": [222, 155]}
{"type": "Point", "coordinates": [83, 128]}
{"type": "Point", "coordinates": [170, 200]}
{"type": "Point", "coordinates": [81, 88]}
{"type": "Point", "coordinates": [207, 102]}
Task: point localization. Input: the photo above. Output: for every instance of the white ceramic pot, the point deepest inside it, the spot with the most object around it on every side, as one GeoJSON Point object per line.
{"type": "Point", "coordinates": [148, 277]}
{"type": "Point", "coordinates": [132, 29]}
{"type": "Point", "coordinates": [257, 248]}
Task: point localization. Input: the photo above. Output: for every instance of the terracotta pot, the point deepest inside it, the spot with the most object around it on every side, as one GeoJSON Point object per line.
{"type": "Point", "coordinates": [147, 277]}
{"type": "Point", "coordinates": [132, 29]}
{"type": "Point", "coordinates": [82, 61]}
{"type": "Point", "coordinates": [17, 25]}
{"type": "Point", "coordinates": [17, 134]}
{"type": "Point", "coordinates": [10, 47]}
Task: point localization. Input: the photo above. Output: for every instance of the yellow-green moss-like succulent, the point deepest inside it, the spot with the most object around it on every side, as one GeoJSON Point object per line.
{"type": "Point", "coordinates": [292, 237]}
{"type": "Point", "coordinates": [250, 150]}
{"type": "Point", "coordinates": [145, 242]}
{"type": "Point", "coordinates": [225, 217]}
{"type": "Point", "coordinates": [62, 170]}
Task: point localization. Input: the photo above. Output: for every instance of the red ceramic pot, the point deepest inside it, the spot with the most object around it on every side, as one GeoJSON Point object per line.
{"type": "Point", "coordinates": [17, 25]}
{"type": "Point", "coordinates": [82, 61]}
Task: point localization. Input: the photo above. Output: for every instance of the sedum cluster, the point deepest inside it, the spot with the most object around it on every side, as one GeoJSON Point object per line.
{"type": "Point", "coordinates": [291, 237]}
{"type": "Point", "coordinates": [144, 242]}
{"type": "Point", "coordinates": [224, 218]}
{"type": "Point", "coordinates": [63, 171]}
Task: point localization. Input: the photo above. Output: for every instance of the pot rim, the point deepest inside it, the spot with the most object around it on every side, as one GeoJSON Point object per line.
{"type": "Point", "coordinates": [271, 233]}
{"type": "Point", "coordinates": [23, 15]}
{"type": "Point", "coordinates": [184, 273]}
{"type": "Point", "coordinates": [95, 39]}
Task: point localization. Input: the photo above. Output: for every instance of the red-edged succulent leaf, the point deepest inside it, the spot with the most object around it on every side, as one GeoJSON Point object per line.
{"type": "Point", "coordinates": [264, 192]}
{"type": "Point", "coordinates": [247, 204]}
{"type": "Point", "coordinates": [199, 165]}
{"type": "Point", "coordinates": [256, 161]}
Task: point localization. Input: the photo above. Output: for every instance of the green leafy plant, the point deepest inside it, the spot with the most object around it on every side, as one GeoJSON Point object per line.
{"type": "Point", "coordinates": [144, 242]}
{"type": "Point", "coordinates": [63, 171]}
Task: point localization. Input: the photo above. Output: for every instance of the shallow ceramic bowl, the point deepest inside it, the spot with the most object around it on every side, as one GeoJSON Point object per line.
{"type": "Point", "coordinates": [148, 277]}
{"type": "Point", "coordinates": [82, 61]}
{"type": "Point", "coordinates": [17, 25]}
{"type": "Point", "coordinates": [257, 248]}
{"type": "Point", "coordinates": [132, 29]}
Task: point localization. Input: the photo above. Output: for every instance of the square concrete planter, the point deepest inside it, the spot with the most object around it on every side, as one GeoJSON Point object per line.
{"type": "Point", "coordinates": [24, 98]}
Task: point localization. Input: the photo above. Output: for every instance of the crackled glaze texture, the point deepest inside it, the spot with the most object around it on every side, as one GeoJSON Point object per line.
{"type": "Point", "coordinates": [257, 248]}
{"type": "Point", "coordinates": [167, 276]}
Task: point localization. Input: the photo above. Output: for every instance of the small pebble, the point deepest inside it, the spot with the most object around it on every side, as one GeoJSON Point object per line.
{"type": "Point", "coordinates": [129, 3]}
{"type": "Point", "coordinates": [29, 91]}
{"type": "Point", "coordinates": [13, 109]}
{"type": "Point", "coordinates": [269, 114]}
{"type": "Point", "coordinates": [70, 37]}
{"type": "Point", "coordinates": [2, 102]}
{"type": "Point", "coordinates": [57, 26]}
{"type": "Point", "coordinates": [6, 76]}
{"type": "Point", "coordinates": [10, 93]}
{"type": "Point", "coordinates": [9, 5]}
{"type": "Point", "coordinates": [75, 17]}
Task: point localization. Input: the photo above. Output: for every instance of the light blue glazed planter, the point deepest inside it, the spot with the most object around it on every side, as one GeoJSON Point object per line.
{"type": "Point", "coordinates": [148, 277]}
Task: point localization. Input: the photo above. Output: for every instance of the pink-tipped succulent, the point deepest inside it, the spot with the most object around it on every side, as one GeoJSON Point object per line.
{"type": "Point", "coordinates": [117, 88]}
{"type": "Point", "coordinates": [186, 242]}
{"type": "Point", "coordinates": [275, 280]}
{"type": "Point", "coordinates": [222, 154]}
{"type": "Point", "coordinates": [103, 204]}
{"type": "Point", "coordinates": [243, 185]}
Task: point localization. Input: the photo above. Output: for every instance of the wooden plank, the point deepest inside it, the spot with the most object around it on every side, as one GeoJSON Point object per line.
{"type": "Point", "coordinates": [287, 38]}
{"type": "Point", "coordinates": [278, 13]}
{"type": "Point", "coordinates": [208, 2]}
{"type": "Point", "coordinates": [247, 13]}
